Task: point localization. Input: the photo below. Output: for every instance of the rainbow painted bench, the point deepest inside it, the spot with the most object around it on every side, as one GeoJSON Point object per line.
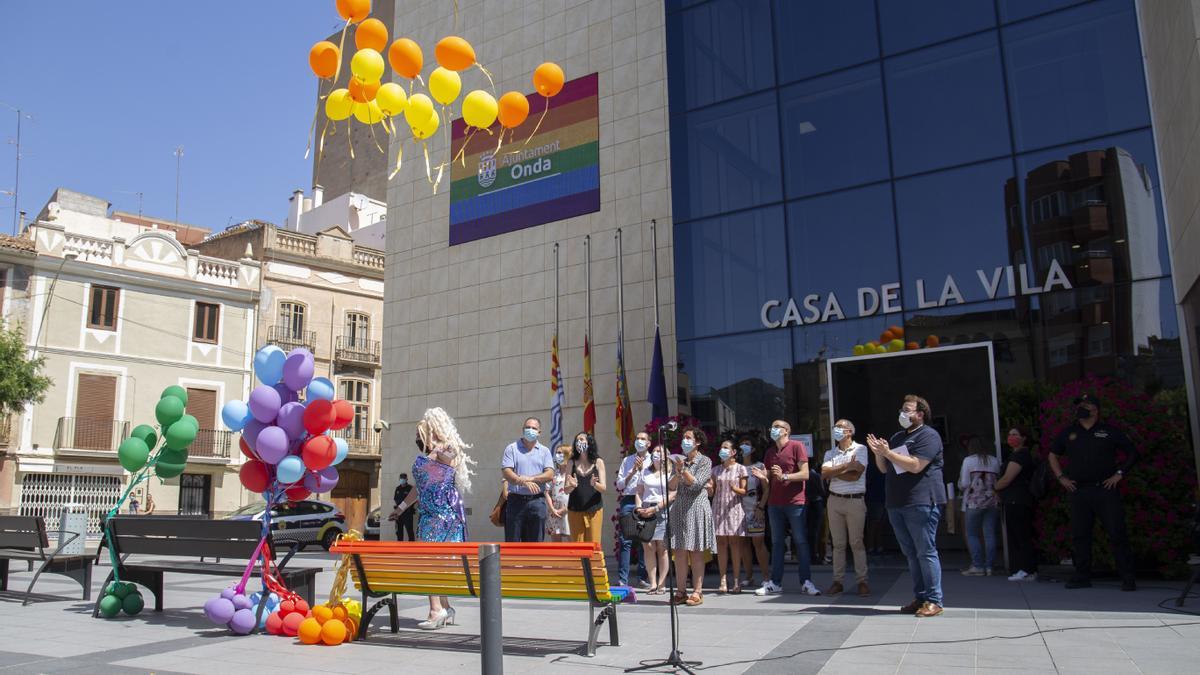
{"type": "Point", "coordinates": [534, 571]}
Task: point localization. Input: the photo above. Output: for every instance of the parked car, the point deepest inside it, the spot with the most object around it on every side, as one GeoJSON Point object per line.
{"type": "Point", "coordinates": [371, 531]}
{"type": "Point", "coordinates": [304, 522]}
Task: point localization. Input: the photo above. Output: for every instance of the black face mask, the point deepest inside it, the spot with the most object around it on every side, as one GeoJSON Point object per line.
{"type": "Point", "coordinates": [1082, 413]}
{"type": "Point", "coordinates": [420, 444]}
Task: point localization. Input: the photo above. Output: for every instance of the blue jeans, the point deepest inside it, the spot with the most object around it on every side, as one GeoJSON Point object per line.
{"type": "Point", "coordinates": [780, 517]}
{"type": "Point", "coordinates": [625, 546]}
{"type": "Point", "coordinates": [983, 553]}
{"type": "Point", "coordinates": [916, 532]}
{"type": "Point", "coordinates": [525, 518]}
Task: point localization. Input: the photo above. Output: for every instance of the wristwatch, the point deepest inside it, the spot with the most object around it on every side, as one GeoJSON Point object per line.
{"type": "Point", "coordinates": [1120, 473]}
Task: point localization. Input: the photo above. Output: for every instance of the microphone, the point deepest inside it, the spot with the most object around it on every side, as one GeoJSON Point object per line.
{"type": "Point", "coordinates": [670, 426]}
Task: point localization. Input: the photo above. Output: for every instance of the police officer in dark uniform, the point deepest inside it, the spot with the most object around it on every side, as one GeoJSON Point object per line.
{"type": "Point", "coordinates": [404, 522]}
{"type": "Point", "coordinates": [1091, 479]}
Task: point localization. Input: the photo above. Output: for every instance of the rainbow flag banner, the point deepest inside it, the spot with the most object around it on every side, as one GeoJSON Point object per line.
{"type": "Point", "coordinates": [555, 175]}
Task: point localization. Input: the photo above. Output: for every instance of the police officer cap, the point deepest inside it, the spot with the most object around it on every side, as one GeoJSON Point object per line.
{"type": "Point", "coordinates": [1087, 398]}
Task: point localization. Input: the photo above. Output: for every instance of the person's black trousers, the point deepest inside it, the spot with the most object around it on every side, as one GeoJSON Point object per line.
{"type": "Point", "coordinates": [1087, 504]}
{"type": "Point", "coordinates": [1022, 552]}
{"type": "Point", "coordinates": [404, 525]}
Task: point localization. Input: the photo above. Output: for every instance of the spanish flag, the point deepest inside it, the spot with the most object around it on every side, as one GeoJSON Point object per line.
{"type": "Point", "coordinates": [589, 403]}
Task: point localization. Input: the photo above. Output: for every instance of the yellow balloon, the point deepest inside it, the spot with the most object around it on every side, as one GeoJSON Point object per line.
{"type": "Point", "coordinates": [479, 109]}
{"type": "Point", "coordinates": [339, 105]}
{"type": "Point", "coordinates": [368, 113]}
{"type": "Point", "coordinates": [859, 350]}
{"type": "Point", "coordinates": [367, 65]}
{"type": "Point", "coordinates": [895, 346]}
{"type": "Point", "coordinates": [391, 99]}
{"type": "Point", "coordinates": [428, 128]}
{"type": "Point", "coordinates": [418, 110]}
{"type": "Point", "coordinates": [444, 85]}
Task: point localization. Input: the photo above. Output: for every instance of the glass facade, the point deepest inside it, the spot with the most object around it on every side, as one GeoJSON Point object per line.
{"type": "Point", "coordinates": [969, 171]}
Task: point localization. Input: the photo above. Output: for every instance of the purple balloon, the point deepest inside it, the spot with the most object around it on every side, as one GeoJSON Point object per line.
{"type": "Point", "coordinates": [242, 622]}
{"type": "Point", "coordinates": [291, 419]}
{"type": "Point", "coordinates": [321, 481]}
{"type": "Point", "coordinates": [219, 610]}
{"type": "Point", "coordinates": [272, 445]}
{"type": "Point", "coordinates": [242, 602]}
{"type": "Point", "coordinates": [286, 395]}
{"type": "Point", "coordinates": [298, 369]}
{"type": "Point", "coordinates": [229, 593]}
{"type": "Point", "coordinates": [251, 431]}
{"type": "Point", "coordinates": [264, 403]}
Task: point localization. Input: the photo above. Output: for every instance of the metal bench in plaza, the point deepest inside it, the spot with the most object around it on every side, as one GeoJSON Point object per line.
{"type": "Point", "coordinates": [192, 538]}
{"type": "Point", "coordinates": [537, 571]}
{"type": "Point", "coordinates": [25, 539]}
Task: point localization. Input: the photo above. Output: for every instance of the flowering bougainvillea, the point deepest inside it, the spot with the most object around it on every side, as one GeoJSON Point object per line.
{"type": "Point", "coordinates": [1159, 493]}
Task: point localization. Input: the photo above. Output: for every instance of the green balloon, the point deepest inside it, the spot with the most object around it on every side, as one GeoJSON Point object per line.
{"type": "Point", "coordinates": [177, 392]}
{"type": "Point", "coordinates": [168, 411]}
{"type": "Point", "coordinates": [110, 606]}
{"type": "Point", "coordinates": [192, 421]}
{"type": "Point", "coordinates": [133, 453]}
{"type": "Point", "coordinates": [146, 433]}
{"type": "Point", "coordinates": [120, 590]}
{"type": "Point", "coordinates": [170, 463]}
{"type": "Point", "coordinates": [180, 434]}
{"type": "Point", "coordinates": [133, 603]}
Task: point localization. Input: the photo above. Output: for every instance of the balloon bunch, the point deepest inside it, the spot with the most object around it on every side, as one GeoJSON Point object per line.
{"type": "Point", "coordinates": [368, 99]}
{"type": "Point", "coordinates": [287, 442]}
{"type": "Point", "coordinates": [141, 455]}
{"type": "Point", "coordinates": [233, 608]}
{"type": "Point", "coordinates": [337, 620]}
{"type": "Point", "coordinates": [892, 340]}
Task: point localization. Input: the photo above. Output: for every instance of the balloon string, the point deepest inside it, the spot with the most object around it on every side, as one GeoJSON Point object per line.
{"type": "Point", "coordinates": [343, 570]}
{"type": "Point", "coordinates": [399, 157]}
{"type": "Point", "coordinates": [341, 46]}
{"type": "Point", "coordinates": [462, 151]}
{"type": "Point", "coordinates": [446, 130]}
{"type": "Point", "coordinates": [371, 127]}
{"type": "Point", "coordinates": [428, 172]}
{"type": "Point", "coordinates": [141, 477]}
{"type": "Point", "coordinates": [321, 151]}
{"type": "Point", "coordinates": [488, 75]}
{"type": "Point", "coordinates": [499, 142]}
{"type": "Point", "coordinates": [539, 122]}
{"type": "Point", "coordinates": [349, 142]}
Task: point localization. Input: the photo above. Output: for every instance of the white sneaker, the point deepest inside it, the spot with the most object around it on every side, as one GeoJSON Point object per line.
{"type": "Point", "coordinates": [769, 588]}
{"type": "Point", "coordinates": [1022, 575]}
{"type": "Point", "coordinates": [809, 589]}
{"type": "Point", "coordinates": [972, 571]}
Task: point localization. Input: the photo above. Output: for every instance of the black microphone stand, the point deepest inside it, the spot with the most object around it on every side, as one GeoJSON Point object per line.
{"type": "Point", "coordinates": [675, 659]}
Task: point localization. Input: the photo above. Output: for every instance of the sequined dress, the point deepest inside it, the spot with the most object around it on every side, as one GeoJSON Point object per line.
{"type": "Point", "coordinates": [441, 508]}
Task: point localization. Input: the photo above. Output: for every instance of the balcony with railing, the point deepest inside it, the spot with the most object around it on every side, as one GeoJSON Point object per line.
{"type": "Point", "coordinates": [288, 338]}
{"type": "Point", "coordinates": [212, 444]}
{"type": "Point", "coordinates": [357, 350]}
{"type": "Point", "coordinates": [84, 433]}
{"type": "Point", "coordinates": [362, 442]}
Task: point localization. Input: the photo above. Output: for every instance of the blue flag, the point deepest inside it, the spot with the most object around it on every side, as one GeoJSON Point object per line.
{"type": "Point", "coordinates": [657, 395]}
{"type": "Point", "coordinates": [556, 402]}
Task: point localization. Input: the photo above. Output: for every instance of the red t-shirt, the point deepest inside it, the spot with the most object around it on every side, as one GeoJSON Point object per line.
{"type": "Point", "coordinates": [790, 458]}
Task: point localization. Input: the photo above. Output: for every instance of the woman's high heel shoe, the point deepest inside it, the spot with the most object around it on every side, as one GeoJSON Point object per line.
{"type": "Point", "coordinates": [437, 621]}
{"type": "Point", "coordinates": [450, 616]}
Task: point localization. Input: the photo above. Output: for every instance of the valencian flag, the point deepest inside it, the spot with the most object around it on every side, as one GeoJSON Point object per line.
{"type": "Point", "coordinates": [624, 414]}
{"type": "Point", "coordinates": [589, 403]}
{"type": "Point", "coordinates": [657, 394]}
{"type": "Point", "coordinates": [556, 394]}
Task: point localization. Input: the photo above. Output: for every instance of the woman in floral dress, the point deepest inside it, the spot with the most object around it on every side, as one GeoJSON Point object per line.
{"type": "Point", "coordinates": [691, 517]}
{"type": "Point", "coordinates": [557, 527]}
{"type": "Point", "coordinates": [442, 474]}
{"type": "Point", "coordinates": [728, 514]}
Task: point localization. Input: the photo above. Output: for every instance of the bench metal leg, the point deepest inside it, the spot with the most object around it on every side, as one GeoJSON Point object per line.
{"type": "Point", "coordinates": [394, 614]}
{"type": "Point", "coordinates": [3, 574]}
{"type": "Point", "coordinates": [152, 580]}
{"type": "Point", "coordinates": [369, 614]}
{"type": "Point", "coordinates": [608, 612]}
{"type": "Point", "coordinates": [614, 639]}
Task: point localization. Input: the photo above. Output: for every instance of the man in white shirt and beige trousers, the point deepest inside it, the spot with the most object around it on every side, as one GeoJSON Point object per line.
{"type": "Point", "coordinates": [845, 469]}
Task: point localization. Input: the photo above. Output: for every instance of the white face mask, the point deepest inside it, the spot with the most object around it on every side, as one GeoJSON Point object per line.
{"type": "Point", "coordinates": [838, 433]}
{"type": "Point", "coordinates": [642, 445]}
{"type": "Point", "coordinates": [656, 458]}
{"type": "Point", "coordinates": [558, 458]}
{"type": "Point", "coordinates": [581, 446]}
{"type": "Point", "coordinates": [905, 420]}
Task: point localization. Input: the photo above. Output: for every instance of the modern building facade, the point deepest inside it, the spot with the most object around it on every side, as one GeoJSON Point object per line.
{"type": "Point", "coordinates": [120, 310]}
{"type": "Point", "coordinates": [984, 173]}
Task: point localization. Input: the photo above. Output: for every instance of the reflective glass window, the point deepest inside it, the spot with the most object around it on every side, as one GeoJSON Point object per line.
{"type": "Point", "coordinates": [840, 244]}
{"type": "Point", "coordinates": [908, 24]}
{"type": "Point", "coordinates": [1013, 10]}
{"type": "Point", "coordinates": [720, 50]}
{"type": "Point", "coordinates": [1075, 74]}
{"type": "Point", "coordinates": [726, 268]}
{"type": "Point", "coordinates": [726, 157]}
{"type": "Point", "coordinates": [946, 105]}
{"type": "Point", "coordinates": [954, 244]}
{"type": "Point", "coordinates": [1096, 208]}
{"type": "Point", "coordinates": [1004, 323]}
{"type": "Point", "coordinates": [817, 37]}
{"type": "Point", "coordinates": [738, 381]}
{"type": "Point", "coordinates": [834, 133]}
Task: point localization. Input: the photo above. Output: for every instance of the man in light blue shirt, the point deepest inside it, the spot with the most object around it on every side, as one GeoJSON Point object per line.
{"type": "Point", "coordinates": [527, 466]}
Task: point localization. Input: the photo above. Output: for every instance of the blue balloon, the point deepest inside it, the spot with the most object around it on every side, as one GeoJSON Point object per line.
{"type": "Point", "coordinates": [268, 364]}
{"type": "Point", "coordinates": [320, 388]}
{"type": "Point", "coordinates": [342, 449]}
{"type": "Point", "coordinates": [235, 414]}
{"type": "Point", "coordinates": [290, 469]}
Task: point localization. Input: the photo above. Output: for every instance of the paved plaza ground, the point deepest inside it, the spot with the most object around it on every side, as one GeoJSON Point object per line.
{"type": "Point", "coordinates": [990, 626]}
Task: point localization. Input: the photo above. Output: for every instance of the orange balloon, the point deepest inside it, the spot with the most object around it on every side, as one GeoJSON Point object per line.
{"type": "Point", "coordinates": [898, 331]}
{"type": "Point", "coordinates": [322, 613]}
{"type": "Point", "coordinates": [310, 631]}
{"type": "Point", "coordinates": [371, 34]}
{"type": "Point", "coordinates": [548, 79]}
{"type": "Point", "coordinates": [362, 93]}
{"type": "Point", "coordinates": [354, 10]}
{"type": "Point", "coordinates": [932, 341]}
{"type": "Point", "coordinates": [333, 632]}
{"type": "Point", "coordinates": [323, 59]}
{"type": "Point", "coordinates": [339, 612]}
{"type": "Point", "coordinates": [454, 53]}
{"type": "Point", "coordinates": [886, 336]}
{"type": "Point", "coordinates": [514, 108]}
{"type": "Point", "coordinates": [406, 58]}
{"type": "Point", "coordinates": [912, 345]}
{"type": "Point", "coordinates": [351, 628]}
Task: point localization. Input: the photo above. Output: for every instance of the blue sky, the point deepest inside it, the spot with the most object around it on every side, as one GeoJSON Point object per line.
{"type": "Point", "coordinates": [114, 87]}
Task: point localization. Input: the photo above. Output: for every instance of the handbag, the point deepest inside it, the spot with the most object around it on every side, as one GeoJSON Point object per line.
{"type": "Point", "coordinates": [497, 516]}
{"type": "Point", "coordinates": [636, 528]}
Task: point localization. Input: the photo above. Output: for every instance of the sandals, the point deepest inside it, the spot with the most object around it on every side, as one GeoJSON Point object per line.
{"type": "Point", "coordinates": [737, 589]}
{"type": "Point", "coordinates": [722, 590]}
{"type": "Point", "coordinates": [695, 599]}
{"type": "Point", "coordinates": [679, 598]}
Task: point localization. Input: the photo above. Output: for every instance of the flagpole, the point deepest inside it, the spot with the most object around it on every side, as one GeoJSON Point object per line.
{"type": "Point", "coordinates": [620, 292]}
{"type": "Point", "coordinates": [556, 288]}
{"type": "Point", "coordinates": [654, 255]}
{"type": "Point", "coordinates": [587, 273]}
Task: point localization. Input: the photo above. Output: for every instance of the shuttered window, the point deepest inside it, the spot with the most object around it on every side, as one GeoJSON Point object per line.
{"type": "Point", "coordinates": [102, 307]}
{"type": "Point", "coordinates": [202, 404]}
{"type": "Point", "coordinates": [207, 322]}
{"type": "Point", "coordinates": [95, 407]}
